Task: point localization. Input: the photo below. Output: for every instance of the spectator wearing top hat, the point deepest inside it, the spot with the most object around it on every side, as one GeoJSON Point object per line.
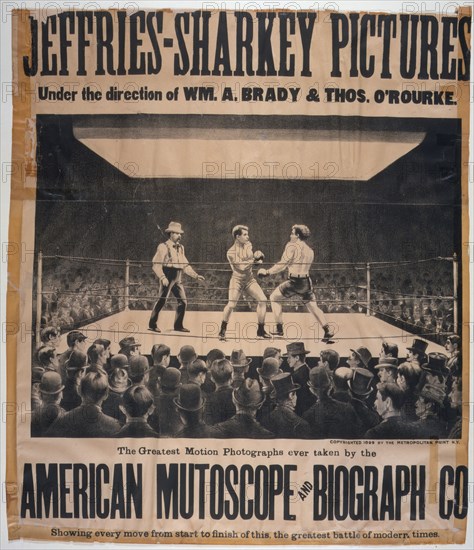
{"type": "Point", "coordinates": [214, 355]}
{"type": "Point", "coordinates": [240, 366]}
{"type": "Point", "coordinates": [359, 358]}
{"type": "Point", "coordinates": [87, 420]}
{"type": "Point", "coordinates": [328, 418]}
{"type": "Point", "coordinates": [296, 358]}
{"type": "Point", "coordinates": [283, 421]}
{"type": "Point", "coordinates": [190, 405]}
{"type": "Point", "coordinates": [136, 406]}
{"type": "Point", "coordinates": [340, 379]}
{"type": "Point", "coordinates": [129, 346]}
{"type": "Point", "coordinates": [169, 264]}
{"type": "Point", "coordinates": [75, 368]}
{"type": "Point", "coordinates": [417, 352]}
{"type": "Point", "coordinates": [118, 385]}
{"type": "Point", "coordinates": [408, 377]}
{"type": "Point", "coordinates": [138, 369]}
{"type": "Point", "coordinates": [388, 349]}
{"type": "Point", "coordinates": [197, 371]}
{"type": "Point", "coordinates": [429, 409]}
{"type": "Point", "coordinates": [247, 399]}
{"type": "Point", "coordinates": [76, 341]}
{"type": "Point", "coordinates": [51, 392]}
{"type": "Point", "coordinates": [161, 356]}
{"type": "Point", "coordinates": [387, 370]}
{"type": "Point", "coordinates": [97, 356]}
{"type": "Point", "coordinates": [219, 405]}
{"type": "Point", "coordinates": [166, 420]}
{"type": "Point", "coordinates": [186, 356]}
{"type": "Point", "coordinates": [269, 369]}
{"type": "Point", "coordinates": [434, 370]}
{"type": "Point", "coordinates": [360, 389]}
{"type": "Point", "coordinates": [388, 403]}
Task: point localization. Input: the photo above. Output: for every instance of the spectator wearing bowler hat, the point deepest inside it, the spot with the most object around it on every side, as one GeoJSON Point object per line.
{"type": "Point", "coordinates": [430, 412]}
{"type": "Point", "coordinates": [359, 358]}
{"type": "Point", "coordinates": [138, 369]}
{"type": "Point", "coordinates": [240, 366]}
{"type": "Point", "coordinates": [389, 349]}
{"type": "Point", "coordinates": [166, 420]}
{"type": "Point", "coordinates": [75, 368]}
{"type": "Point", "coordinates": [269, 369]}
{"type": "Point", "coordinates": [118, 385]}
{"type": "Point", "coordinates": [129, 346]}
{"type": "Point", "coordinates": [417, 352]}
{"type": "Point", "coordinates": [76, 341]}
{"type": "Point", "coordinates": [360, 389]}
{"type": "Point", "coordinates": [248, 398]}
{"type": "Point", "coordinates": [51, 392]}
{"type": "Point", "coordinates": [87, 420]}
{"type": "Point", "coordinates": [190, 404]}
{"type": "Point", "coordinates": [137, 405]}
{"type": "Point", "coordinates": [387, 369]}
{"type": "Point", "coordinates": [283, 421]}
{"type": "Point", "coordinates": [328, 418]}
{"type": "Point", "coordinates": [296, 358]}
{"type": "Point", "coordinates": [408, 377]}
{"type": "Point", "coordinates": [169, 264]}
{"type": "Point", "coordinates": [219, 405]}
{"type": "Point", "coordinates": [186, 356]}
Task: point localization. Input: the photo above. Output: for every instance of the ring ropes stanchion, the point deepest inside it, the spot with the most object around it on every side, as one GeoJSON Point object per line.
{"type": "Point", "coordinates": [357, 266]}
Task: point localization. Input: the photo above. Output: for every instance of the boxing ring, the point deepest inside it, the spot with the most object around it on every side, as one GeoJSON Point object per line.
{"type": "Point", "coordinates": [352, 303]}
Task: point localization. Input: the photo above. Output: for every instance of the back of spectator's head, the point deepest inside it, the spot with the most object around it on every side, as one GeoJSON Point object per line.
{"type": "Point", "coordinates": [138, 368]}
{"type": "Point", "coordinates": [94, 387]}
{"type": "Point", "coordinates": [187, 354]}
{"type": "Point", "coordinates": [411, 372]}
{"type": "Point", "coordinates": [73, 336]}
{"type": "Point", "coordinates": [103, 342]}
{"type": "Point", "coordinates": [214, 355]}
{"type": "Point", "coordinates": [51, 386]}
{"type": "Point", "coordinates": [271, 352]}
{"type": "Point", "coordinates": [170, 379]}
{"type": "Point", "coordinates": [45, 355]}
{"type": "Point", "coordinates": [158, 351]}
{"type": "Point", "coordinates": [77, 362]}
{"type": "Point", "coordinates": [197, 367]}
{"type": "Point", "coordinates": [331, 357]}
{"type": "Point", "coordinates": [119, 361]}
{"type": "Point", "coordinates": [49, 333]}
{"type": "Point", "coordinates": [221, 371]}
{"type": "Point", "coordinates": [395, 393]}
{"type": "Point", "coordinates": [94, 352]}
{"type": "Point", "coordinates": [390, 349]}
{"type": "Point", "coordinates": [137, 401]}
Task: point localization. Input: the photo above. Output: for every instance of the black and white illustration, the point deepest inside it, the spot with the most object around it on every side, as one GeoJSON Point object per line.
{"type": "Point", "coordinates": [247, 277]}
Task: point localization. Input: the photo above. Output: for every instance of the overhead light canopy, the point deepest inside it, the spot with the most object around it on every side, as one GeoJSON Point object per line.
{"type": "Point", "coordinates": [158, 149]}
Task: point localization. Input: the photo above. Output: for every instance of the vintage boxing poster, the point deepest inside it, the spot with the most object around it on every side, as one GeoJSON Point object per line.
{"type": "Point", "coordinates": [238, 275]}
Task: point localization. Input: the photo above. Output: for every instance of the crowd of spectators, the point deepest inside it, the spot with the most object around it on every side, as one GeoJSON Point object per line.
{"type": "Point", "coordinates": [89, 392]}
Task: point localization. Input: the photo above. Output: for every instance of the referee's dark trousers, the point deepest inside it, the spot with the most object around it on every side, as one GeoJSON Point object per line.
{"type": "Point", "coordinates": [177, 289]}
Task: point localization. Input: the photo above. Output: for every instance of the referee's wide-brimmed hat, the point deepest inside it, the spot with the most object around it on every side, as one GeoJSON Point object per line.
{"type": "Point", "coordinates": [174, 227]}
